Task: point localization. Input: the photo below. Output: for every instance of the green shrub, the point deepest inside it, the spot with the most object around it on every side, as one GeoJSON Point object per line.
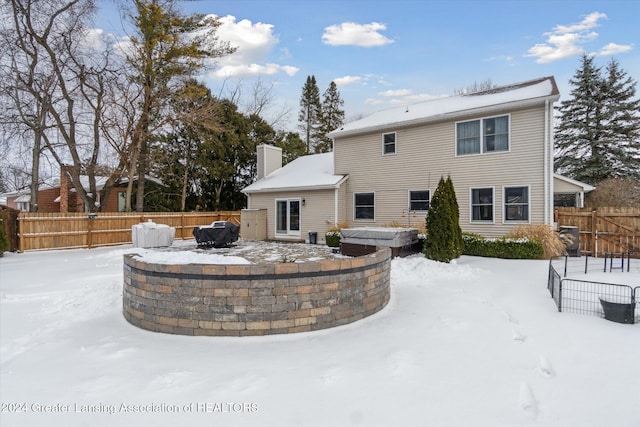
{"type": "Point", "coordinates": [4, 240]}
{"type": "Point", "coordinates": [503, 247]}
{"type": "Point", "coordinates": [332, 238]}
{"type": "Point", "coordinates": [443, 242]}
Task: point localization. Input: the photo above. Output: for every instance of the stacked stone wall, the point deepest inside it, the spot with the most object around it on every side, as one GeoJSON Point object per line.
{"type": "Point", "coordinates": [258, 299]}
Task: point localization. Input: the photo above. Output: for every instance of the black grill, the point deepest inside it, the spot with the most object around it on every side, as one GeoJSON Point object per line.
{"type": "Point", "coordinates": [217, 235]}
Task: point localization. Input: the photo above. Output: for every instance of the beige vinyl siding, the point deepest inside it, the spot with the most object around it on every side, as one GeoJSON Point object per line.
{"type": "Point", "coordinates": [425, 153]}
{"type": "Point", "coordinates": [560, 186]}
{"type": "Point", "coordinates": [317, 214]}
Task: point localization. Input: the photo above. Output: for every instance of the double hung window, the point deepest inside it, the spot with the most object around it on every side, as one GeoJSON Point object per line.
{"type": "Point", "coordinates": [482, 136]}
{"type": "Point", "coordinates": [364, 206]}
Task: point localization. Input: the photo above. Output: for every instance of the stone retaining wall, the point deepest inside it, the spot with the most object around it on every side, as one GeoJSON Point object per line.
{"type": "Point", "coordinates": [259, 299]}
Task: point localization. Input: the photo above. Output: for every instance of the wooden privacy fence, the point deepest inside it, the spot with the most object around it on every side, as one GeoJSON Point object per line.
{"type": "Point", "coordinates": [83, 230]}
{"type": "Point", "coordinates": [604, 230]}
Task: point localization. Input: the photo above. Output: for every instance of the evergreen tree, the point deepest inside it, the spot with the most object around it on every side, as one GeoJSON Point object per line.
{"type": "Point", "coordinates": [455, 210]}
{"type": "Point", "coordinates": [310, 112]}
{"type": "Point", "coordinates": [597, 135]}
{"type": "Point", "coordinates": [444, 238]}
{"type": "Point", "coordinates": [623, 123]}
{"type": "Point", "coordinates": [332, 117]}
{"type": "Point", "coordinates": [292, 146]}
{"type": "Point", "coordinates": [167, 47]}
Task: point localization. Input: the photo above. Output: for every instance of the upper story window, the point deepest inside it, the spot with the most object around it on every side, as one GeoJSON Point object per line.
{"type": "Point", "coordinates": [482, 136]}
{"type": "Point", "coordinates": [389, 143]}
{"type": "Point", "coordinates": [419, 200]}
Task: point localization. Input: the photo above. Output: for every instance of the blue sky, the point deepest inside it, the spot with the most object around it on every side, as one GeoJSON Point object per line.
{"type": "Point", "coordinates": [388, 53]}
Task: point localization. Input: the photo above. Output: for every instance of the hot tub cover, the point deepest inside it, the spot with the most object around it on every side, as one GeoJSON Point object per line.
{"type": "Point", "coordinates": [379, 236]}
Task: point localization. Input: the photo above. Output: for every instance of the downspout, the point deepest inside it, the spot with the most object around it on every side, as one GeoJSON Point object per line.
{"type": "Point", "coordinates": [335, 206]}
{"type": "Point", "coordinates": [546, 184]}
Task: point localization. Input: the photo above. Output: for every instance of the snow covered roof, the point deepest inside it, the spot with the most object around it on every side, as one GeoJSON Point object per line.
{"type": "Point", "coordinates": [312, 172]}
{"type": "Point", "coordinates": [519, 94]}
{"type": "Point", "coordinates": [583, 185]}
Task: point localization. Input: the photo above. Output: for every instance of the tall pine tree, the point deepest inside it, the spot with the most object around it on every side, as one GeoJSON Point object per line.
{"type": "Point", "coordinates": [597, 135]}
{"type": "Point", "coordinates": [623, 122]}
{"type": "Point", "coordinates": [332, 117]}
{"type": "Point", "coordinates": [310, 112]}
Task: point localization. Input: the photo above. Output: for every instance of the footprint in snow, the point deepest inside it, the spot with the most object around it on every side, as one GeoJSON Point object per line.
{"type": "Point", "coordinates": [527, 401]}
{"type": "Point", "coordinates": [517, 336]}
{"type": "Point", "coordinates": [332, 375]}
{"type": "Point", "coordinates": [509, 317]}
{"type": "Point", "coordinates": [546, 368]}
{"type": "Point", "coordinates": [399, 363]}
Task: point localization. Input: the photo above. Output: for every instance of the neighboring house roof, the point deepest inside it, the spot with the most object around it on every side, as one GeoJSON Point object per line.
{"type": "Point", "coordinates": [312, 172]}
{"type": "Point", "coordinates": [581, 186]}
{"type": "Point", "coordinates": [25, 198]}
{"type": "Point", "coordinates": [520, 94]}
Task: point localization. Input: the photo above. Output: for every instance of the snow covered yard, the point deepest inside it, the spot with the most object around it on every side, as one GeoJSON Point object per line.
{"type": "Point", "coordinates": [478, 342]}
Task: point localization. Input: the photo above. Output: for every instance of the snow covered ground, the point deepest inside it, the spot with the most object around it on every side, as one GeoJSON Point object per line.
{"type": "Point", "coordinates": [478, 342]}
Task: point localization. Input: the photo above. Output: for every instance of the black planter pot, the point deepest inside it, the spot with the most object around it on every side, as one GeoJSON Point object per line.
{"type": "Point", "coordinates": [618, 312]}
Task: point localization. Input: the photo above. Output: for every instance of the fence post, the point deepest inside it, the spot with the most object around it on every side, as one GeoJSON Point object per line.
{"type": "Point", "coordinates": [560, 296]}
{"type": "Point", "coordinates": [594, 232]}
{"type": "Point", "coordinates": [89, 229]}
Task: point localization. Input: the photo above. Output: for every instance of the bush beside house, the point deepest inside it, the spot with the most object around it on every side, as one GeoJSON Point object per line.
{"type": "Point", "coordinates": [503, 247]}
{"type": "Point", "coordinates": [444, 236]}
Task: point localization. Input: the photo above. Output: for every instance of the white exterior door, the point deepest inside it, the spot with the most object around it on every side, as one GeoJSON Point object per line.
{"type": "Point", "coordinates": [288, 217]}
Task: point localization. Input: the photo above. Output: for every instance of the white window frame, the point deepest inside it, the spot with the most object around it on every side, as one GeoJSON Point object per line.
{"type": "Point", "coordinates": [395, 144]}
{"type": "Point", "coordinates": [482, 136]}
{"type": "Point", "coordinates": [505, 219]}
{"type": "Point", "coordinates": [288, 231]}
{"type": "Point", "coordinates": [415, 191]}
{"type": "Point", "coordinates": [493, 206]}
{"type": "Point", "coordinates": [374, 206]}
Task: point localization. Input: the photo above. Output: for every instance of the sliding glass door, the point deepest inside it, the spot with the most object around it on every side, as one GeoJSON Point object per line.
{"type": "Point", "coordinates": [288, 216]}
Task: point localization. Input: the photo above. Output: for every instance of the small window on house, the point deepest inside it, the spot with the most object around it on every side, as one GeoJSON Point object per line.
{"type": "Point", "coordinates": [482, 136]}
{"type": "Point", "coordinates": [482, 204]}
{"type": "Point", "coordinates": [389, 143]}
{"type": "Point", "coordinates": [419, 201]}
{"type": "Point", "coordinates": [364, 205]}
{"type": "Point", "coordinates": [516, 204]}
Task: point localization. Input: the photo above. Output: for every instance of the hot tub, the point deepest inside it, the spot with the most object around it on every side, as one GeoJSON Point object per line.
{"type": "Point", "coordinates": [365, 240]}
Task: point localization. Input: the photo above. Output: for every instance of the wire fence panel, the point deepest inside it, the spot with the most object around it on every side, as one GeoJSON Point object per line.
{"type": "Point", "coordinates": [588, 296]}
{"type": "Point", "coordinates": [584, 297]}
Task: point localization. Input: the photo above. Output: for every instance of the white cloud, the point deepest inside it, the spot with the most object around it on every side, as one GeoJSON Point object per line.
{"type": "Point", "coordinates": [566, 40]}
{"type": "Point", "coordinates": [397, 92]}
{"type": "Point", "coordinates": [590, 21]}
{"type": "Point", "coordinates": [347, 80]}
{"type": "Point", "coordinates": [614, 48]}
{"type": "Point", "coordinates": [373, 101]}
{"type": "Point", "coordinates": [353, 34]}
{"type": "Point", "coordinates": [253, 43]}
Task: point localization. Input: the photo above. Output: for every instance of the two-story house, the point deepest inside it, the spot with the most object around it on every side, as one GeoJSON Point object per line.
{"type": "Point", "coordinates": [496, 145]}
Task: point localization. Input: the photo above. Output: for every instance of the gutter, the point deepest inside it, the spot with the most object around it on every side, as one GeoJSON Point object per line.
{"type": "Point", "coordinates": [299, 188]}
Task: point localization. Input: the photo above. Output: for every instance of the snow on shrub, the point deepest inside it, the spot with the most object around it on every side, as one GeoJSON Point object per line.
{"type": "Point", "coordinates": [502, 247]}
